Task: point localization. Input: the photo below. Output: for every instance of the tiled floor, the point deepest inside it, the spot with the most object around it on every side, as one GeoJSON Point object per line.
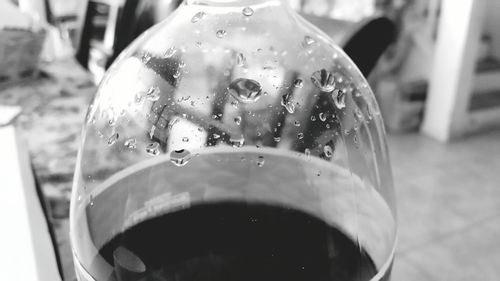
{"type": "Point", "coordinates": [449, 209]}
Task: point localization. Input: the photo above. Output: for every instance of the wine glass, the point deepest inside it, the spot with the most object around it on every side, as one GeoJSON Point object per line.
{"type": "Point", "coordinates": [233, 141]}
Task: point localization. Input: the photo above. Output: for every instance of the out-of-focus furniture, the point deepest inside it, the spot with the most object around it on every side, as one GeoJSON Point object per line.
{"type": "Point", "coordinates": [111, 25]}
{"type": "Point", "coordinates": [36, 8]}
{"type": "Point", "coordinates": [19, 54]}
{"type": "Point", "coordinates": [28, 249]}
{"type": "Point", "coordinates": [12, 16]}
{"type": "Point", "coordinates": [67, 17]}
{"type": "Point", "coordinates": [53, 110]}
{"type": "Point", "coordinates": [401, 104]}
{"type": "Point", "coordinates": [97, 38]}
{"type": "Point", "coordinates": [364, 41]}
{"type": "Point", "coordinates": [21, 41]}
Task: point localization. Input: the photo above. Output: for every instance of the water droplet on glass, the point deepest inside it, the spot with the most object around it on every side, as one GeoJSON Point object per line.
{"type": "Point", "coordinates": [216, 136]}
{"type": "Point", "coordinates": [277, 139]}
{"type": "Point", "coordinates": [170, 52]}
{"type": "Point", "coordinates": [199, 44]}
{"type": "Point", "coordinates": [298, 83]}
{"type": "Point", "coordinates": [198, 16]}
{"type": "Point", "coordinates": [308, 41]}
{"type": "Point", "coordinates": [313, 118]}
{"type": "Point", "coordinates": [111, 122]}
{"type": "Point", "coordinates": [153, 94]}
{"type": "Point", "coordinates": [290, 107]}
{"type": "Point", "coordinates": [261, 161]}
{"type": "Point", "coordinates": [307, 152]}
{"type": "Point", "coordinates": [221, 33]}
{"type": "Point", "coordinates": [112, 140]}
{"type": "Point", "coordinates": [339, 99]}
{"type": "Point", "coordinates": [247, 11]}
{"type": "Point", "coordinates": [235, 104]}
{"type": "Point", "coordinates": [240, 59]}
{"type": "Point", "coordinates": [355, 139]}
{"type": "Point", "coordinates": [237, 142]}
{"type": "Point", "coordinates": [328, 151]}
{"type": "Point", "coordinates": [130, 143]}
{"type": "Point", "coordinates": [287, 102]}
{"type": "Point", "coordinates": [176, 74]}
{"type": "Point", "coordinates": [318, 173]}
{"type": "Point", "coordinates": [146, 58]}
{"type": "Point", "coordinates": [237, 120]}
{"type": "Point", "coordinates": [185, 139]}
{"type": "Point", "coordinates": [322, 116]}
{"type": "Point", "coordinates": [358, 113]}
{"type": "Point", "coordinates": [296, 123]}
{"type": "Point", "coordinates": [153, 149]}
{"type": "Point", "coordinates": [300, 136]}
{"type": "Point", "coordinates": [91, 198]}
{"type": "Point", "coordinates": [182, 64]}
{"type": "Point", "coordinates": [180, 157]}
{"type": "Point", "coordinates": [245, 90]}
{"type": "Point", "coordinates": [324, 80]}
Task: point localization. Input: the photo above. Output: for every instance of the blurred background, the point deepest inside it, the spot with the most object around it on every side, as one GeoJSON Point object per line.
{"type": "Point", "coordinates": [434, 66]}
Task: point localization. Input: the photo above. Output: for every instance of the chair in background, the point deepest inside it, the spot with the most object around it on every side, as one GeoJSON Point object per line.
{"type": "Point", "coordinates": [364, 41]}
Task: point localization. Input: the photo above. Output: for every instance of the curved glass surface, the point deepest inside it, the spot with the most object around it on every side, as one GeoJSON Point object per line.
{"type": "Point", "coordinates": [230, 102]}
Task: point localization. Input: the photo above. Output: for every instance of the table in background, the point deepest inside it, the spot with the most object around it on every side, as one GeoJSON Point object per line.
{"type": "Point", "coordinates": [53, 110]}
